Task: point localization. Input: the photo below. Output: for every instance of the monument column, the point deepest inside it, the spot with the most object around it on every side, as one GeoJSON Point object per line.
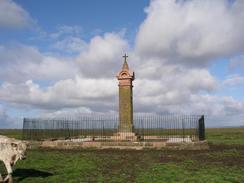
{"type": "Point", "coordinates": [125, 77]}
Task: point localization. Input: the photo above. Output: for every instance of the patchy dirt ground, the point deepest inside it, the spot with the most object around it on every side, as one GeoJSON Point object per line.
{"type": "Point", "coordinates": [223, 162]}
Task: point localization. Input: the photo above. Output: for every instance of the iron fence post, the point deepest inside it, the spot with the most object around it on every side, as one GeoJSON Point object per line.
{"type": "Point", "coordinates": [201, 128]}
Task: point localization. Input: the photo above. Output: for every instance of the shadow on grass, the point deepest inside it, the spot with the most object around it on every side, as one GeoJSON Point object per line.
{"type": "Point", "coordinates": [22, 173]}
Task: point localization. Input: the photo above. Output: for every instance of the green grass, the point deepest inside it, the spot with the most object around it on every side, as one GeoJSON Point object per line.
{"type": "Point", "coordinates": [146, 166]}
{"type": "Point", "coordinates": [13, 133]}
{"type": "Point", "coordinates": [223, 163]}
{"type": "Point", "coordinates": [228, 136]}
{"type": "Point", "coordinates": [183, 172]}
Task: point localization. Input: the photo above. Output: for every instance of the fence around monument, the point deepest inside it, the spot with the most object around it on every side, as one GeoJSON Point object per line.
{"type": "Point", "coordinates": [105, 128]}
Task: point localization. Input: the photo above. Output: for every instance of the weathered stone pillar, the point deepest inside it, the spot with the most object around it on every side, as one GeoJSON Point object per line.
{"type": "Point", "coordinates": [125, 77]}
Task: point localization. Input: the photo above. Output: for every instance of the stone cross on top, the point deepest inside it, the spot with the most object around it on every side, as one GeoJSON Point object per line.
{"type": "Point", "coordinates": [125, 56]}
{"type": "Point", "coordinates": [125, 65]}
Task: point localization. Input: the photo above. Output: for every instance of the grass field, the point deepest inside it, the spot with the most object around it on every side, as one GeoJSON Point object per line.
{"type": "Point", "coordinates": [224, 162]}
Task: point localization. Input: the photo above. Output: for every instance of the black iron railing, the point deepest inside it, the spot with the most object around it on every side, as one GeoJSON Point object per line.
{"type": "Point", "coordinates": [106, 128]}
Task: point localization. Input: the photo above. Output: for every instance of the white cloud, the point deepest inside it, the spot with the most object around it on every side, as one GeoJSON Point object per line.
{"type": "Point", "coordinates": [102, 93]}
{"type": "Point", "coordinates": [234, 80]}
{"type": "Point", "coordinates": [13, 15]}
{"type": "Point", "coordinates": [60, 33]}
{"type": "Point", "coordinates": [158, 88]}
{"type": "Point", "coordinates": [6, 121]}
{"type": "Point", "coordinates": [175, 76]}
{"type": "Point", "coordinates": [175, 37]}
{"type": "Point", "coordinates": [237, 62]}
{"type": "Point", "coordinates": [186, 103]}
{"type": "Point", "coordinates": [217, 106]}
{"type": "Point", "coordinates": [70, 44]}
{"type": "Point", "coordinates": [192, 32]}
{"type": "Point", "coordinates": [65, 30]}
{"type": "Point", "coordinates": [68, 112]}
{"type": "Point", "coordinates": [20, 63]}
{"type": "Point", "coordinates": [102, 55]}
{"type": "Point", "coordinates": [78, 92]}
{"type": "Point", "coordinates": [173, 89]}
{"type": "Point", "coordinates": [223, 120]}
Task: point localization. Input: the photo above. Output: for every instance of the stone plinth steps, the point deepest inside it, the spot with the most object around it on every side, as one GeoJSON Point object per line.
{"type": "Point", "coordinates": [124, 136]}
{"type": "Point", "coordinates": [137, 145]}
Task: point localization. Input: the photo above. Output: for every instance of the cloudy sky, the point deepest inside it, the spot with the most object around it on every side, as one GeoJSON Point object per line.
{"type": "Point", "coordinates": [61, 57]}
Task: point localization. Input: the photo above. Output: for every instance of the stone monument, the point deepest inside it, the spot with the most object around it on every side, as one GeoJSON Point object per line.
{"type": "Point", "coordinates": [125, 77]}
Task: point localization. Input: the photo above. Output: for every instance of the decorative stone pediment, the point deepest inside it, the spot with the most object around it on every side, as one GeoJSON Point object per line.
{"type": "Point", "coordinates": [125, 74]}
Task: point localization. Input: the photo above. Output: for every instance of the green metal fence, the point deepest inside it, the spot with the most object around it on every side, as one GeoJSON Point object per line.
{"type": "Point", "coordinates": [105, 128]}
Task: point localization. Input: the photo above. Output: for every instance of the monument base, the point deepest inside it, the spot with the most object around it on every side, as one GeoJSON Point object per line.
{"type": "Point", "coordinates": [130, 136]}
{"type": "Point", "coordinates": [70, 144]}
{"type": "Point", "coordinates": [125, 127]}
